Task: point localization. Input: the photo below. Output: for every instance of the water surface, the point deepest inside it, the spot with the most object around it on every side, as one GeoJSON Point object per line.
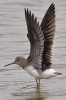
{"type": "Point", "coordinates": [15, 83]}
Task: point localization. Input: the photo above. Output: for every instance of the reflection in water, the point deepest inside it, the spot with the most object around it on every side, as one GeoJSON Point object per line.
{"type": "Point", "coordinates": [39, 95]}
{"type": "Point", "coordinates": [32, 95]}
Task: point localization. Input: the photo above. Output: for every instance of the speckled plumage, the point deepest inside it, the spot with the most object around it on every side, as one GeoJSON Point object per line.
{"type": "Point", "coordinates": [38, 64]}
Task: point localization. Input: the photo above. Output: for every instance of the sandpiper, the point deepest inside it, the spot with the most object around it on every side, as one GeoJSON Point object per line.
{"type": "Point", "coordinates": [38, 64]}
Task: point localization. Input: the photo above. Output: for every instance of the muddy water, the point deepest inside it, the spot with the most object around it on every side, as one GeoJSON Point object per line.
{"type": "Point", "coordinates": [15, 83]}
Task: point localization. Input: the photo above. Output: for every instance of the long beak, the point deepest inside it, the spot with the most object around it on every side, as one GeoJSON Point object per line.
{"type": "Point", "coordinates": [9, 64]}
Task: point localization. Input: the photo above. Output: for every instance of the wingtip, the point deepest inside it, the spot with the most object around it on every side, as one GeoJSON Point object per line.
{"type": "Point", "coordinates": [52, 4]}
{"type": "Point", "coordinates": [24, 9]}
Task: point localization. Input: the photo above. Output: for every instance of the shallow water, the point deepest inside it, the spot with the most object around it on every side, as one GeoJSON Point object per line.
{"type": "Point", "coordinates": [15, 83]}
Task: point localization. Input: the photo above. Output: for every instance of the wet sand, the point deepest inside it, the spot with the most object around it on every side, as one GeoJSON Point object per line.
{"type": "Point", "coordinates": [15, 83]}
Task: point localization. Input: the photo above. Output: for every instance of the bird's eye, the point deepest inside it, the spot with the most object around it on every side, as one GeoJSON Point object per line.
{"type": "Point", "coordinates": [17, 60]}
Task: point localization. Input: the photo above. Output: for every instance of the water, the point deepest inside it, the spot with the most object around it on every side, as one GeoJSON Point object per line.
{"type": "Point", "coordinates": [15, 83]}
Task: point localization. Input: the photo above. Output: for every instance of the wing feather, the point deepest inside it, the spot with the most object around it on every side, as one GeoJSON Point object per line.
{"type": "Point", "coordinates": [48, 27]}
{"type": "Point", "coordinates": [36, 38]}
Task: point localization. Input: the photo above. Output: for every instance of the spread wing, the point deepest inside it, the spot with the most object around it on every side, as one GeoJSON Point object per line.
{"type": "Point", "coordinates": [48, 27]}
{"type": "Point", "coordinates": [36, 38]}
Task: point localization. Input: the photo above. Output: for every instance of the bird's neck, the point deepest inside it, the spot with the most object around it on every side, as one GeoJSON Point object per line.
{"type": "Point", "coordinates": [24, 63]}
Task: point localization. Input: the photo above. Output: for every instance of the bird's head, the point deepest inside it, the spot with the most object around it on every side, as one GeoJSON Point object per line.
{"type": "Point", "coordinates": [21, 61]}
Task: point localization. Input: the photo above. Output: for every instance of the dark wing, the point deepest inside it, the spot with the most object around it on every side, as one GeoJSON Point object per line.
{"type": "Point", "coordinates": [48, 27]}
{"type": "Point", "coordinates": [36, 38]}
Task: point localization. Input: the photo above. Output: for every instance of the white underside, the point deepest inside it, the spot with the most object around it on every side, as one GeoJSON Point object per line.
{"type": "Point", "coordinates": [49, 73]}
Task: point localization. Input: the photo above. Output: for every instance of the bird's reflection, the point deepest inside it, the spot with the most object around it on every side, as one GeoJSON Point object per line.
{"type": "Point", "coordinates": [39, 95]}
{"type": "Point", "coordinates": [29, 94]}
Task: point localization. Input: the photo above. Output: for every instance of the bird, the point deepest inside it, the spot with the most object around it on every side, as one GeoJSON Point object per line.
{"type": "Point", "coordinates": [39, 62]}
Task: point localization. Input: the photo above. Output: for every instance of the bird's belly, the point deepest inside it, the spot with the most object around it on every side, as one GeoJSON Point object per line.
{"type": "Point", "coordinates": [33, 72]}
{"type": "Point", "coordinates": [47, 74]}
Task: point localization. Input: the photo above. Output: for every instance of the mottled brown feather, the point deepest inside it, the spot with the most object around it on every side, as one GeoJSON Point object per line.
{"type": "Point", "coordinates": [48, 27]}
{"type": "Point", "coordinates": [36, 38]}
{"type": "Point", "coordinates": [40, 50]}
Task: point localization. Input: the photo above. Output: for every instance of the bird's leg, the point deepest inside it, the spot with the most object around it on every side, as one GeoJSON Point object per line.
{"type": "Point", "coordinates": [38, 82]}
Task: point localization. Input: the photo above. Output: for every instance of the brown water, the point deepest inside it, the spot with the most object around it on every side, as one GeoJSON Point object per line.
{"type": "Point", "coordinates": [15, 83]}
